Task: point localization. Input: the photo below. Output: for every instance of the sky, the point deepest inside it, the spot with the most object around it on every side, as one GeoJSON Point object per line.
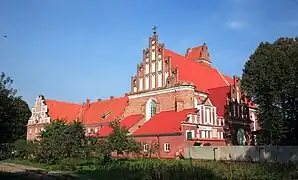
{"type": "Point", "coordinates": [72, 50]}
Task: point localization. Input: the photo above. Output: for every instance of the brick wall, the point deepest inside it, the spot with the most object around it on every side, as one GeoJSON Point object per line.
{"type": "Point", "coordinates": [165, 102]}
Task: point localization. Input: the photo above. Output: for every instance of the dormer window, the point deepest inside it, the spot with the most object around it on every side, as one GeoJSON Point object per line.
{"type": "Point", "coordinates": [104, 116]}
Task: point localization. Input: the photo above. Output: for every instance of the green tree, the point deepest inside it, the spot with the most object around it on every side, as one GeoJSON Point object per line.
{"type": "Point", "coordinates": [14, 112]}
{"type": "Point", "coordinates": [270, 79]}
{"type": "Point", "coordinates": [119, 142]}
{"type": "Point", "coordinates": [60, 140]}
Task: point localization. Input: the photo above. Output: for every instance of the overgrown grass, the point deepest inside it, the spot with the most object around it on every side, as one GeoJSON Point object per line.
{"type": "Point", "coordinates": [153, 169]}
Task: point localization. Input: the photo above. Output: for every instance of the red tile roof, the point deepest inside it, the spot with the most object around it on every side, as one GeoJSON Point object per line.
{"type": "Point", "coordinates": [90, 112]}
{"type": "Point", "coordinates": [127, 122]}
{"type": "Point", "coordinates": [203, 77]}
{"type": "Point", "coordinates": [218, 97]}
{"type": "Point", "coordinates": [113, 108]}
{"type": "Point", "coordinates": [62, 110]}
{"type": "Point", "coordinates": [164, 122]}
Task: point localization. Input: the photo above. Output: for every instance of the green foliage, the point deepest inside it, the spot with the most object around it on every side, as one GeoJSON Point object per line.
{"type": "Point", "coordinates": [60, 140]}
{"type": "Point", "coordinates": [14, 112]}
{"type": "Point", "coordinates": [119, 142]}
{"type": "Point", "coordinates": [270, 78]}
{"type": "Point", "coordinates": [23, 149]}
{"type": "Point", "coordinates": [152, 169]}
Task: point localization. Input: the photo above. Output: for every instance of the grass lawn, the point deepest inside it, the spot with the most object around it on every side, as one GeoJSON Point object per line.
{"type": "Point", "coordinates": [149, 169]}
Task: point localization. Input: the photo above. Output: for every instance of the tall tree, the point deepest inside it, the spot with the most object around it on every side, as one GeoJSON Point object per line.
{"type": "Point", "coordinates": [14, 112]}
{"type": "Point", "coordinates": [270, 78]}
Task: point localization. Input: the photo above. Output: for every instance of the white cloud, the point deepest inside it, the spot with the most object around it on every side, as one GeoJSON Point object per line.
{"type": "Point", "coordinates": [236, 25]}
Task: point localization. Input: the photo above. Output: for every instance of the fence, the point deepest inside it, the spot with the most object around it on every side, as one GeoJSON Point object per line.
{"type": "Point", "coordinates": [244, 153]}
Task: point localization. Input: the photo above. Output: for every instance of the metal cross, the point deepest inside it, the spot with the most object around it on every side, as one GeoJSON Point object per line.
{"type": "Point", "coordinates": [154, 29]}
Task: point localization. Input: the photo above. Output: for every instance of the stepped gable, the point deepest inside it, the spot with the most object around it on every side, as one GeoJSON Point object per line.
{"type": "Point", "coordinates": [165, 122]}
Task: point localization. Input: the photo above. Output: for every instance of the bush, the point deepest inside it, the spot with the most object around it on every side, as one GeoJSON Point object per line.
{"type": "Point", "coordinates": [23, 149]}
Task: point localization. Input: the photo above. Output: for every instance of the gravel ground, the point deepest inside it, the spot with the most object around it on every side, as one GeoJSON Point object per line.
{"type": "Point", "coordinates": [16, 171]}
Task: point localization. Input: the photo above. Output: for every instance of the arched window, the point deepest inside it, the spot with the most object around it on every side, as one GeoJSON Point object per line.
{"type": "Point", "coordinates": [150, 108]}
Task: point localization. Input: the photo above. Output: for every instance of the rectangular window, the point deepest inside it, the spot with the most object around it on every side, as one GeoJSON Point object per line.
{"type": "Point", "coordinates": [36, 130]}
{"type": "Point", "coordinates": [221, 135]}
{"type": "Point", "coordinates": [207, 134]}
{"type": "Point", "coordinates": [30, 131]}
{"type": "Point", "coordinates": [89, 130]}
{"type": "Point", "coordinates": [96, 130]}
{"type": "Point", "coordinates": [167, 147]}
{"type": "Point", "coordinates": [188, 135]}
{"type": "Point", "coordinates": [146, 147]}
{"type": "Point", "coordinates": [203, 134]}
{"type": "Point", "coordinates": [214, 133]}
{"type": "Point", "coordinates": [219, 121]}
{"type": "Point", "coordinates": [207, 115]}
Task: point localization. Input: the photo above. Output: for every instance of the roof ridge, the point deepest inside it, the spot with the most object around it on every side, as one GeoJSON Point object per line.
{"type": "Point", "coordinates": [218, 87]}
{"type": "Point", "coordinates": [107, 100]}
{"type": "Point", "coordinates": [61, 102]}
{"type": "Point", "coordinates": [223, 77]}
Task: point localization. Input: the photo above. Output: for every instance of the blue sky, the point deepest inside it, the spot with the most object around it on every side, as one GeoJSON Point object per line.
{"type": "Point", "coordinates": [71, 50]}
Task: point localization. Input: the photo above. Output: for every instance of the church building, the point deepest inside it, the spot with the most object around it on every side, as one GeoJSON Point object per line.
{"type": "Point", "coordinates": [175, 101]}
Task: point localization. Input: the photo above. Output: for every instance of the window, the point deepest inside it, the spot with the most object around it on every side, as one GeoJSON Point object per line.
{"type": "Point", "coordinates": [203, 134]}
{"type": "Point", "coordinates": [89, 130]}
{"type": "Point", "coordinates": [188, 135]}
{"type": "Point", "coordinates": [30, 131]}
{"type": "Point", "coordinates": [207, 115]}
{"type": "Point", "coordinates": [36, 130]}
{"type": "Point", "coordinates": [153, 108]}
{"type": "Point", "coordinates": [146, 147]}
{"type": "Point", "coordinates": [150, 109]}
{"type": "Point", "coordinates": [166, 147]}
{"type": "Point", "coordinates": [96, 130]}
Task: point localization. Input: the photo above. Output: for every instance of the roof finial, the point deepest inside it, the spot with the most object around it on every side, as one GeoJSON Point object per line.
{"type": "Point", "coordinates": [154, 29]}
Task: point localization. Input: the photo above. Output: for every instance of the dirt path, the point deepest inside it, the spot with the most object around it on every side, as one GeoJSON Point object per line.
{"type": "Point", "coordinates": [18, 171]}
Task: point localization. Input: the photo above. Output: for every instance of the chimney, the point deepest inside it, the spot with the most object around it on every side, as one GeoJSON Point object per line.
{"type": "Point", "coordinates": [98, 100]}
{"type": "Point", "coordinates": [87, 101]}
{"type": "Point", "coordinates": [111, 97]}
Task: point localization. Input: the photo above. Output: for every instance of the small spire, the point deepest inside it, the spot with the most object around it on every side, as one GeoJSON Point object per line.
{"type": "Point", "coordinates": [154, 29]}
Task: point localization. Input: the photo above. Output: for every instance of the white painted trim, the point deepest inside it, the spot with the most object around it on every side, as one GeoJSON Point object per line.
{"type": "Point", "coordinates": [200, 94]}
{"type": "Point", "coordinates": [163, 91]}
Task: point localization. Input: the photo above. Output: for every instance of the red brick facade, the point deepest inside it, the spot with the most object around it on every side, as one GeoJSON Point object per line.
{"type": "Point", "coordinates": [175, 100]}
